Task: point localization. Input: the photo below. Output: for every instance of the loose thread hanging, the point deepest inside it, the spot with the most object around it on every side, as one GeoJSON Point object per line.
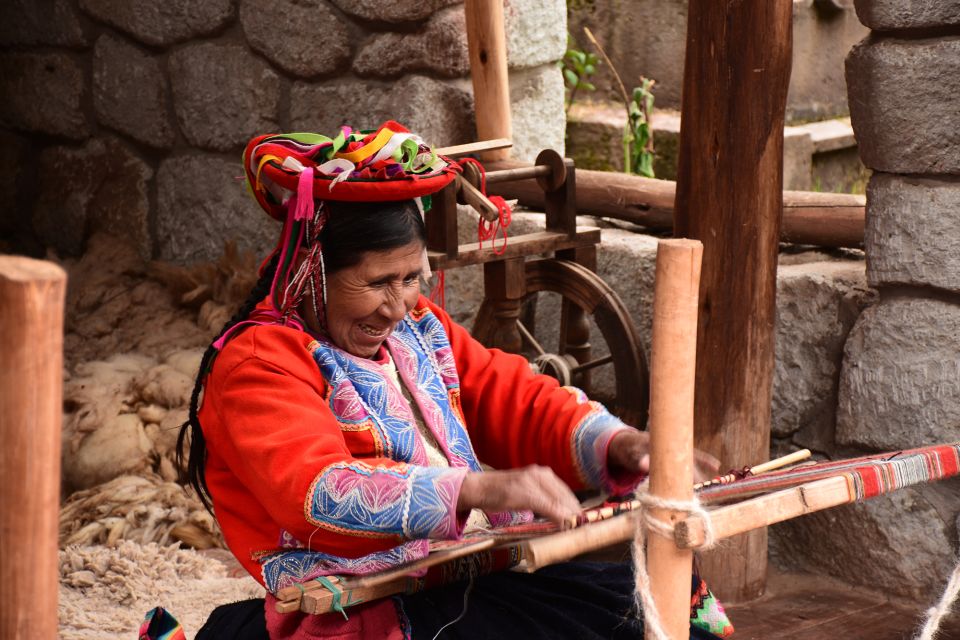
{"type": "Point", "coordinates": [487, 230]}
{"type": "Point", "coordinates": [438, 294]}
{"type": "Point", "coordinates": [643, 597]}
{"type": "Point", "coordinates": [937, 613]}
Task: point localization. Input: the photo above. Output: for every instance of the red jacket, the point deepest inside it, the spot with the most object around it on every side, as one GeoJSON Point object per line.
{"type": "Point", "coordinates": [285, 450]}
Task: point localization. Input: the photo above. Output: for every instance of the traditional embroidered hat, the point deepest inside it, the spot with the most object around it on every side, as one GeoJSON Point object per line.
{"type": "Point", "coordinates": [388, 163]}
{"type": "Point", "coordinates": [292, 176]}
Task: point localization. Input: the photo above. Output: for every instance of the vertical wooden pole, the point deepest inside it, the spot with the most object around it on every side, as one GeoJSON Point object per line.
{"type": "Point", "coordinates": [31, 382]}
{"type": "Point", "coordinates": [730, 196]}
{"type": "Point", "coordinates": [487, 44]}
{"type": "Point", "coordinates": [672, 378]}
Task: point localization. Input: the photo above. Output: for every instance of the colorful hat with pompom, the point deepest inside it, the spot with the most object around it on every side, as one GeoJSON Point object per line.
{"type": "Point", "coordinates": [388, 163]}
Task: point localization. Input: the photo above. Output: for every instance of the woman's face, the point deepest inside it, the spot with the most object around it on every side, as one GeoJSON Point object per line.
{"type": "Point", "coordinates": [366, 301]}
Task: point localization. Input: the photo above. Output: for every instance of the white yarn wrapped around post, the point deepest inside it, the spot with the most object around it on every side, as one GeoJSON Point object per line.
{"type": "Point", "coordinates": [663, 581]}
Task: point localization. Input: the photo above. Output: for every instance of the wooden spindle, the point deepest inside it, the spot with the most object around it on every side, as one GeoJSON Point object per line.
{"type": "Point", "coordinates": [672, 375]}
{"type": "Point", "coordinates": [31, 384]}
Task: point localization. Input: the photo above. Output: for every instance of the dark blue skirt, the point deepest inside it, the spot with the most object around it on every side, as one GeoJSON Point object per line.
{"type": "Point", "coordinates": [575, 600]}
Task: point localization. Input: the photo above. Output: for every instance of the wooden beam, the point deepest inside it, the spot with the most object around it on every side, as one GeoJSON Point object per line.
{"type": "Point", "coordinates": [528, 244]}
{"type": "Point", "coordinates": [730, 196]}
{"type": "Point", "coordinates": [672, 376]}
{"type": "Point", "coordinates": [821, 219]}
{"type": "Point", "coordinates": [468, 148]}
{"type": "Point", "coordinates": [31, 405]}
{"type": "Point", "coordinates": [487, 45]}
{"type": "Point", "coordinates": [765, 510]}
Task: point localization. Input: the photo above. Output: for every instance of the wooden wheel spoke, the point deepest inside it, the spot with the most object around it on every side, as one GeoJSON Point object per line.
{"type": "Point", "coordinates": [586, 366]}
{"type": "Point", "coordinates": [529, 338]}
{"type": "Point", "coordinates": [588, 306]}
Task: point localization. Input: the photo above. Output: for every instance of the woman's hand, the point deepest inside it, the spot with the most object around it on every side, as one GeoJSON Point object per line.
{"type": "Point", "coordinates": [629, 454]}
{"type": "Point", "coordinates": [535, 488]}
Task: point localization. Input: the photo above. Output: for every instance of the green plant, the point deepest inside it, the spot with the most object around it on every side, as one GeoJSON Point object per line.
{"type": "Point", "coordinates": [577, 67]}
{"type": "Point", "coordinates": [637, 135]}
{"type": "Point", "coordinates": [638, 149]}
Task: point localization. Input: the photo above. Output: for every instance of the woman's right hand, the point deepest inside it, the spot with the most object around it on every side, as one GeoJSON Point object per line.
{"type": "Point", "coordinates": [535, 488]}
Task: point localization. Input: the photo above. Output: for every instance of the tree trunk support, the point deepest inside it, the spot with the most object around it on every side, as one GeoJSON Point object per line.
{"type": "Point", "coordinates": [730, 196]}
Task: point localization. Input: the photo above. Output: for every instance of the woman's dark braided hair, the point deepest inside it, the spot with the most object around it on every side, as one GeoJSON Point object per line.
{"type": "Point", "coordinates": [352, 229]}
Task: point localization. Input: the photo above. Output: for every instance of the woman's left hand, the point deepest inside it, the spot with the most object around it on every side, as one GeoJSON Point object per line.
{"type": "Point", "coordinates": [629, 454]}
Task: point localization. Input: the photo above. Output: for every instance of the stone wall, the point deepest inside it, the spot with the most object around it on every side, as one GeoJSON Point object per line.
{"type": "Point", "coordinates": [129, 116]}
{"type": "Point", "coordinates": [648, 37]}
{"type": "Point", "coordinates": [900, 383]}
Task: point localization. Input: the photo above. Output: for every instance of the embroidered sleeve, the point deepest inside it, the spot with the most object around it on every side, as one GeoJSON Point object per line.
{"type": "Point", "coordinates": [591, 444]}
{"type": "Point", "coordinates": [404, 500]}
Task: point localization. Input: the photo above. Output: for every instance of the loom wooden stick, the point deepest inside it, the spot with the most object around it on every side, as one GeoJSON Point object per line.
{"type": "Point", "coordinates": [561, 546]}
{"type": "Point", "coordinates": [439, 557]}
{"type": "Point", "coordinates": [776, 463]}
{"type": "Point", "coordinates": [766, 510]}
{"type": "Point", "coordinates": [31, 405]}
{"type": "Point", "coordinates": [458, 150]}
{"type": "Point", "coordinates": [672, 369]}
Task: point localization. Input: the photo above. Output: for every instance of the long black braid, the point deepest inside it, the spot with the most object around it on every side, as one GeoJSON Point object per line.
{"type": "Point", "coordinates": [195, 471]}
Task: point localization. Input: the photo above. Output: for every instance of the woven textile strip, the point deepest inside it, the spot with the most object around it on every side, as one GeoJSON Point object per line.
{"type": "Point", "coordinates": [869, 476]}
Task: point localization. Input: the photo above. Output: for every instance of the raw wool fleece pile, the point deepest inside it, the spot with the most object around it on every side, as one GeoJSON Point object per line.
{"type": "Point", "coordinates": [137, 508]}
{"type": "Point", "coordinates": [134, 335]}
{"type": "Point", "coordinates": [105, 592]}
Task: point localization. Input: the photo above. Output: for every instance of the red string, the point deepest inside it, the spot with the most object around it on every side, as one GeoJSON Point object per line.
{"type": "Point", "coordinates": [487, 230]}
{"type": "Point", "coordinates": [438, 295]}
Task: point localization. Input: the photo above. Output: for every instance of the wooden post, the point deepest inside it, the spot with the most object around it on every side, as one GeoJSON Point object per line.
{"type": "Point", "coordinates": [31, 382]}
{"type": "Point", "coordinates": [730, 196]}
{"type": "Point", "coordinates": [487, 43]}
{"type": "Point", "coordinates": [672, 377]}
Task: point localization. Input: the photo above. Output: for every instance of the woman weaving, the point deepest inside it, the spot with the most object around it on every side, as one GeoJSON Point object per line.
{"type": "Point", "coordinates": [344, 417]}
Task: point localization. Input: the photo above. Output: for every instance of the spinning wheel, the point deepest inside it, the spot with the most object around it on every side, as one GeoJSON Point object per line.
{"type": "Point", "coordinates": [584, 297]}
{"type": "Point", "coordinates": [517, 290]}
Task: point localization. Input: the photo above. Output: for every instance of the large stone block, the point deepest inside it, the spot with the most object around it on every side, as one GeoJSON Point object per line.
{"type": "Point", "coordinates": [536, 31]}
{"type": "Point", "coordinates": [130, 93]}
{"type": "Point", "coordinates": [820, 44]}
{"type": "Point", "coordinates": [903, 104]}
{"type": "Point", "coordinates": [900, 385]}
{"type": "Point", "coordinates": [441, 113]}
{"type": "Point", "coordinates": [223, 95]}
{"type": "Point", "coordinates": [51, 22]}
{"type": "Point", "coordinates": [817, 305]}
{"type": "Point", "coordinates": [303, 37]}
{"type": "Point", "coordinates": [885, 15]}
{"type": "Point", "coordinates": [42, 92]}
{"type": "Point", "coordinates": [201, 204]}
{"type": "Point", "coordinates": [536, 105]}
{"type": "Point", "coordinates": [911, 234]}
{"type": "Point", "coordinates": [102, 186]}
{"type": "Point", "coordinates": [396, 11]}
{"type": "Point", "coordinates": [162, 22]}
{"type": "Point", "coordinates": [649, 38]}
{"type": "Point", "coordinates": [903, 541]}
{"type": "Point", "coordinates": [439, 47]}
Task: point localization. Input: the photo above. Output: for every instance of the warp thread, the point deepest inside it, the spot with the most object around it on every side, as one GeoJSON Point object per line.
{"type": "Point", "coordinates": [936, 614]}
{"type": "Point", "coordinates": [645, 520]}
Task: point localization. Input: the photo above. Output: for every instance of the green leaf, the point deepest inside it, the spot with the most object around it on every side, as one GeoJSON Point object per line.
{"type": "Point", "coordinates": [571, 77]}
{"type": "Point", "coordinates": [588, 86]}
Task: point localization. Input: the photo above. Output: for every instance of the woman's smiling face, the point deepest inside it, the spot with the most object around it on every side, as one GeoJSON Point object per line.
{"type": "Point", "coordinates": [366, 301]}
